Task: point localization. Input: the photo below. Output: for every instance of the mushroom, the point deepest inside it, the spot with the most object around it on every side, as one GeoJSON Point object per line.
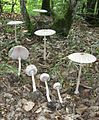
{"type": "Point", "coordinates": [58, 86]}
{"type": "Point", "coordinates": [44, 33]}
{"type": "Point", "coordinates": [40, 10]}
{"type": "Point", "coordinates": [31, 70]}
{"type": "Point", "coordinates": [81, 58]}
{"type": "Point", "coordinates": [15, 23]}
{"type": "Point", "coordinates": [44, 77]}
{"type": "Point", "coordinates": [19, 52]}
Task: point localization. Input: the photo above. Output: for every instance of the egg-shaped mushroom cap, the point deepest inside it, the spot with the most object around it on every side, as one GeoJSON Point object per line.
{"type": "Point", "coordinates": [44, 32]}
{"type": "Point", "coordinates": [57, 85]}
{"type": "Point", "coordinates": [14, 22]}
{"type": "Point", "coordinates": [44, 77]}
{"type": "Point", "coordinates": [31, 69]}
{"type": "Point", "coordinates": [19, 51]}
{"type": "Point", "coordinates": [82, 57]}
{"type": "Point", "coordinates": [40, 10]}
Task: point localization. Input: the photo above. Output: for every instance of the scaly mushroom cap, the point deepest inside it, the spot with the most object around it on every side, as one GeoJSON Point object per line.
{"type": "Point", "coordinates": [44, 32]}
{"type": "Point", "coordinates": [44, 77]}
{"type": "Point", "coordinates": [82, 57]}
{"type": "Point", "coordinates": [40, 10]}
{"type": "Point", "coordinates": [14, 22]}
{"type": "Point", "coordinates": [19, 51]}
{"type": "Point", "coordinates": [31, 69]}
{"type": "Point", "coordinates": [57, 85]}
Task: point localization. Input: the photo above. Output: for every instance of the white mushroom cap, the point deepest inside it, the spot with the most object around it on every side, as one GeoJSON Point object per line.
{"type": "Point", "coordinates": [19, 51]}
{"type": "Point", "coordinates": [57, 85]}
{"type": "Point", "coordinates": [44, 32]}
{"type": "Point", "coordinates": [31, 69]}
{"type": "Point", "coordinates": [40, 10]}
{"type": "Point", "coordinates": [14, 22]}
{"type": "Point", "coordinates": [44, 77]}
{"type": "Point", "coordinates": [82, 57]}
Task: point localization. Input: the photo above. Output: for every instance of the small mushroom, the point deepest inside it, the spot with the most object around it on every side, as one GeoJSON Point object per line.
{"type": "Point", "coordinates": [40, 10]}
{"type": "Point", "coordinates": [58, 86]}
{"type": "Point", "coordinates": [44, 77]}
{"type": "Point", "coordinates": [31, 70]}
{"type": "Point", "coordinates": [81, 58]}
{"type": "Point", "coordinates": [15, 23]}
{"type": "Point", "coordinates": [19, 52]}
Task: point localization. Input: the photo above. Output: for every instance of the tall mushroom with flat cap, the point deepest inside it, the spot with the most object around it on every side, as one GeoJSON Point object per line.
{"type": "Point", "coordinates": [44, 33]}
{"type": "Point", "coordinates": [44, 77]}
{"type": "Point", "coordinates": [81, 58]}
{"type": "Point", "coordinates": [31, 70]}
{"type": "Point", "coordinates": [15, 23]}
{"type": "Point", "coordinates": [19, 52]}
{"type": "Point", "coordinates": [58, 86]}
{"type": "Point", "coordinates": [40, 10]}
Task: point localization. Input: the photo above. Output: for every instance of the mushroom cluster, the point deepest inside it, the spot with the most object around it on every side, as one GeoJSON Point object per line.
{"type": "Point", "coordinates": [19, 52]}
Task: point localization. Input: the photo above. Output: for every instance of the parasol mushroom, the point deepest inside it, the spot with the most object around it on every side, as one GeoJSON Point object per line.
{"type": "Point", "coordinates": [40, 10]}
{"type": "Point", "coordinates": [44, 33]}
{"type": "Point", "coordinates": [15, 23]}
{"type": "Point", "coordinates": [81, 58]}
{"type": "Point", "coordinates": [44, 77]}
{"type": "Point", "coordinates": [19, 52]}
{"type": "Point", "coordinates": [58, 86]}
{"type": "Point", "coordinates": [31, 70]}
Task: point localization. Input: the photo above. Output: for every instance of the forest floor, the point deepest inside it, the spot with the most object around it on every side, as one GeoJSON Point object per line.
{"type": "Point", "coordinates": [16, 92]}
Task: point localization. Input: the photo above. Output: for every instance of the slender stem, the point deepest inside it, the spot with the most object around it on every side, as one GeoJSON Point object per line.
{"type": "Point", "coordinates": [47, 92]}
{"type": "Point", "coordinates": [44, 47]}
{"type": "Point", "coordinates": [60, 99]}
{"type": "Point", "coordinates": [33, 82]}
{"type": "Point", "coordinates": [15, 35]}
{"type": "Point", "coordinates": [78, 80]}
{"type": "Point", "coordinates": [19, 69]}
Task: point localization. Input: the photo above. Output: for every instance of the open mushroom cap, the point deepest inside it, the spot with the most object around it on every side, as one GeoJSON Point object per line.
{"type": "Point", "coordinates": [19, 51]}
{"type": "Point", "coordinates": [31, 69]}
{"type": "Point", "coordinates": [82, 57]}
{"type": "Point", "coordinates": [57, 85]}
{"type": "Point", "coordinates": [44, 77]}
{"type": "Point", "coordinates": [44, 32]}
{"type": "Point", "coordinates": [40, 10]}
{"type": "Point", "coordinates": [14, 22]}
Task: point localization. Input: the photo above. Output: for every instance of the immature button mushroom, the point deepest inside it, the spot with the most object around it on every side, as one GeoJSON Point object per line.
{"type": "Point", "coordinates": [58, 86]}
{"type": "Point", "coordinates": [44, 78]}
{"type": "Point", "coordinates": [81, 58]}
{"type": "Point", "coordinates": [44, 33]}
{"type": "Point", "coordinates": [31, 70]}
{"type": "Point", "coordinates": [15, 23]}
{"type": "Point", "coordinates": [19, 52]}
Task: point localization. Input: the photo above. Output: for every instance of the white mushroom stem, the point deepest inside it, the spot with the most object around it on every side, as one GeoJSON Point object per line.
{"type": "Point", "coordinates": [47, 92]}
{"type": "Point", "coordinates": [44, 47]}
{"type": "Point", "coordinates": [78, 80]}
{"type": "Point", "coordinates": [33, 82]}
{"type": "Point", "coordinates": [19, 69]}
{"type": "Point", "coordinates": [60, 99]}
{"type": "Point", "coordinates": [15, 35]}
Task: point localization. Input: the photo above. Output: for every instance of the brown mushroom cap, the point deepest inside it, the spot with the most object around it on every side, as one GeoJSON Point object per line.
{"type": "Point", "coordinates": [19, 51]}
